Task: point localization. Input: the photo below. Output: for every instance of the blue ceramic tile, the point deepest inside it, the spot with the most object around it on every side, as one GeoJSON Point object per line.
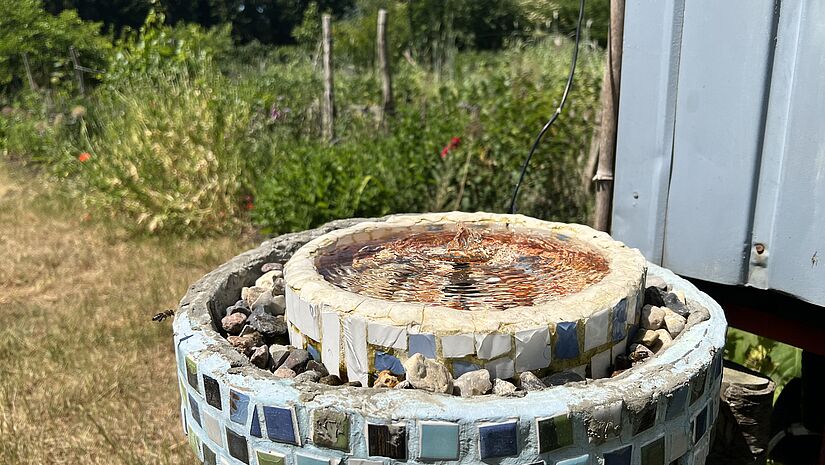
{"type": "Point", "coordinates": [580, 460]}
{"type": "Point", "coordinates": [697, 386]}
{"type": "Point", "coordinates": [619, 320]}
{"type": "Point", "coordinates": [196, 411]}
{"type": "Point", "coordinates": [677, 402]}
{"type": "Point", "coordinates": [387, 440]}
{"type": "Point", "coordinates": [238, 407]}
{"type": "Point", "coordinates": [385, 361]}
{"type": "Point", "coordinates": [498, 439]}
{"type": "Point", "coordinates": [313, 352]}
{"type": "Point", "coordinates": [459, 368]}
{"type": "Point", "coordinates": [567, 340]}
{"type": "Point", "coordinates": [236, 444]}
{"type": "Point", "coordinates": [619, 456]}
{"type": "Point", "coordinates": [303, 459]}
{"type": "Point", "coordinates": [423, 344]}
{"type": "Point", "coordinates": [255, 429]}
{"type": "Point", "coordinates": [209, 457]}
{"type": "Point", "coordinates": [439, 440]}
{"type": "Point", "coordinates": [280, 425]}
{"type": "Point", "coordinates": [212, 392]}
{"type": "Point", "coordinates": [700, 424]}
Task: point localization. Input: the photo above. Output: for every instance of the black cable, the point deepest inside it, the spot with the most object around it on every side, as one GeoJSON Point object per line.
{"type": "Point", "coordinates": [558, 110]}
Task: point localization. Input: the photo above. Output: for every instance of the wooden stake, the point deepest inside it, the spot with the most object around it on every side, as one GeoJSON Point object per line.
{"type": "Point", "coordinates": [388, 107]}
{"type": "Point", "coordinates": [77, 72]}
{"type": "Point", "coordinates": [328, 105]}
{"type": "Point", "coordinates": [610, 118]}
{"type": "Point", "coordinates": [28, 68]}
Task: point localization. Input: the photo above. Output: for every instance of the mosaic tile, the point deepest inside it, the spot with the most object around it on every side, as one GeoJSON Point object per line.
{"type": "Point", "coordinates": [677, 402]}
{"type": "Point", "coordinates": [385, 361]}
{"type": "Point", "coordinates": [600, 365]}
{"type": "Point", "coordinates": [195, 443]}
{"type": "Point", "coordinates": [595, 330]}
{"type": "Point", "coordinates": [387, 336]}
{"type": "Point", "coordinates": [331, 343]}
{"type": "Point", "coordinates": [213, 429]}
{"type": "Point", "coordinates": [281, 425]}
{"type": "Point", "coordinates": [653, 453]}
{"type": "Point", "coordinates": [387, 440]}
{"type": "Point", "coordinates": [313, 352]}
{"type": "Point", "coordinates": [302, 458]}
{"type": "Point", "coordinates": [212, 392]}
{"type": "Point", "coordinates": [194, 410]}
{"type": "Point", "coordinates": [490, 346]}
{"type": "Point", "coordinates": [700, 424]}
{"type": "Point", "coordinates": [423, 344]}
{"type": "Point", "coordinates": [255, 426]}
{"type": "Point", "coordinates": [677, 443]}
{"type": "Point", "coordinates": [459, 368]}
{"type": "Point", "coordinates": [355, 349]}
{"type": "Point", "coordinates": [192, 373]}
{"type": "Point", "coordinates": [532, 349]}
{"type": "Point", "coordinates": [503, 368]}
{"type": "Point", "coordinates": [270, 458]}
{"type": "Point", "coordinates": [697, 386]}
{"type": "Point", "coordinates": [554, 432]}
{"type": "Point", "coordinates": [354, 461]}
{"type": "Point", "coordinates": [498, 439]}
{"type": "Point", "coordinates": [236, 444]}
{"type": "Point", "coordinates": [580, 460]}
{"type": "Point", "coordinates": [209, 457]}
{"type": "Point", "coordinates": [606, 421]}
{"type": "Point", "coordinates": [644, 418]}
{"type": "Point", "coordinates": [567, 340]}
{"type": "Point", "coordinates": [238, 407]}
{"type": "Point", "coordinates": [330, 428]}
{"type": "Point", "coordinates": [619, 321]}
{"type": "Point", "coordinates": [438, 440]}
{"type": "Point", "coordinates": [458, 345]}
{"type": "Point", "coordinates": [620, 456]}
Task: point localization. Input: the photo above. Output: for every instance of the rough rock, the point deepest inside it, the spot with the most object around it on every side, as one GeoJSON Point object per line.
{"type": "Point", "coordinates": [268, 279]}
{"type": "Point", "coordinates": [238, 307]}
{"type": "Point", "coordinates": [251, 294]}
{"type": "Point", "coordinates": [622, 362]}
{"type": "Point", "coordinates": [284, 372]}
{"type": "Point", "coordinates": [404, 385]}
{"type": "Point", "coordinates": [278, 286]}
{"type": "Point", "coordinates": [268, 304]}
{"type": "Point", "coordinates": [266, 324]}
{"type": "Point", "coordinates": [247, 330]}
{"type": "Point", "coordinates": [353, 384]}
{"type": "Point", "coordinates": [503, 388]}
{"type": "Point", "coordinates": [561, 378]}
{"type": "Point", "coordinates": [530, 382]}
{"type": "Point", "coordinates": [473, 383]}
{"type": "Point", "coordinates": [331, 380]}
{"type": "Point", "coordinates": [652, 317]}
{"type": "Point", "coordinates": [279, 304]}
{"type": "Point", "coordinates": [428, 375]}
{"type": "Point", "coordinates": [674, 323]}
{"type": "Point", "coordinates": [697, 314]}
{"type": "Point", "coordinates": [673, 302]}
{"type": "Point", "coordinates": [385, 380]}
{"type": "Point", "coordinates": [308, 376]}
{"type": "Point", "coordinates": [234, 323]}
{"type": "Point", "coordinates": [278, 354]}
{"type": "Point", "coordinates": [646, 336]}
{"type": "Point", "coordinates": [663, 343]}
{"type": "Point", "coordinates": [654, 296]}
{"type": "Point", "coordinates": [639, 353]}
{"type": "Point", "coordinates": [267, 267]}
{"type": "Point", "coordinates": [680, 294]}
{"type": "Point", "coordinates": [657, 282]}
{"type": "Point", "coordinates": [297, 360]}
{"type": "Point", "coordinates": [260, 356]}
{"type": "Point", "coordinates": [313, 365]}
{"type": "Point", "coordinates": [244, 344]}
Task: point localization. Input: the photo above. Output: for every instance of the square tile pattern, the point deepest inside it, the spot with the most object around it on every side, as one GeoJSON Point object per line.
{"type": "Point", "coordinates": [498, 439]}
{"type": "Point", "coordinates": [438, 440]}
{"type": "Point", "coordinates": [653, 453]}
{"type": "Point", "coordinates": [236, 443]}
{"type": "Point", "coordinates": [281, 425]}
{"type": "Point", "coordinates": [580, 460]}
{"type": "Point", "coordinates": [238, 407]}
{"type": "Point", "coordinates": [554, 432]}
{"type": "Point", "coordinates": [270, 458]}
{"type": "Point", "coordinates": [255, 426]}
{"type": "Point", "coordinates": [330, 429]}
{"type": "Point", "coordinates": [387, 440]}
{"type": "Point", "coordinates": [619, 321]}
{"type": "Point", "coordinates": [567, 340]}
{"type": "Point", "coordinates": [192, 373]}
{"type": "Point", "coordinates": [212, 392]}
{"type": "Point", "coordinates": [423, 344]}
{"type": "Point", "coordinates": [620, 456]}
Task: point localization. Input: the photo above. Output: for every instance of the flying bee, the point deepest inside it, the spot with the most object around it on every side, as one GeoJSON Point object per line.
{"type": "Point", "coordinates": [164, 315]}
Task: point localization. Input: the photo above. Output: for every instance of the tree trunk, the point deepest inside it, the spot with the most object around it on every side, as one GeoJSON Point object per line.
{"type": "Point", "coordinates": [328, 104]}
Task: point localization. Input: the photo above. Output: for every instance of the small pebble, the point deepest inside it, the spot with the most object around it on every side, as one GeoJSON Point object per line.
{"type": "Point", "coordinates": [530, 382]}
{"type": "Point", "coordinates": [238, 307]}
{"type": "Point", "coordinates": [267, 281]}
{"type": "Point", "coordinates": [697, 314]}
{"type": "Point", "coordinates": [646, 336]}
{"type": "Point", "coordinates": [652, 317]}
{"type": "Point", "coordinates": [561, 378]}
{"type": "Point", "coordinates": [251, 294]}
{"type": "Point", "coordinates": [245, 343]}
{"type": "Point", "coordinates": [313, 365]}
{"type": "Point", "coordinates": [503, 388]}
{"type": "Point", "coordinates": [473, 383]}
{"type": "Point", "coordinates": [267, 303]}
{"type": "Point", "coordinates": [385, 380]}
{"type": "Point", "coordinates": [308, 376]}
{"type": "Point", "coordinates": [260, 356]}
{"type": "Point", "coordinates": [673, 302]}
{"type": "Point", "coordinates": [267, 267]}
{"type": "Point", "coordinates": [663, 343]}
{"type": "Point", "coordinates": [674, 323]}
{"type": "Point", "coordinates": [284, 372]}
{"type": "Point", "coordinates": [278, 354]}
{"type": "Point", "coordinates": [297, 360]}
{"type": "Point", "coordinates": [639, 353]}
{"type": "Point", "coordinates": [654, 296]}
{"type": "Point", "coordinates": [331, 380]}
{"type": "Point", "coordinates": [266, 324]}
{"type": "Point", "coordinates": [404, 385]}
{"type": "Point", "coordinates": [657, 282]}
{"type": "Point", "coordinates": [234, 323]}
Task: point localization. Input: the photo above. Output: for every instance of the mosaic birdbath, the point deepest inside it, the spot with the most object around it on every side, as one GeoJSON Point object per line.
{"type": "Point", "coordinates": [507, 294]}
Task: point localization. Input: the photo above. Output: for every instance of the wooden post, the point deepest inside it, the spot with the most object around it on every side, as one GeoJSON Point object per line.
{"type": "Point", "coordinates": [610, 117]}
{"type": "Point", "coordinates": [328, 105]}
{"type": "Point", "coordinates": [28, 68]}
{"type": "Point", "coordinates": [77, 72]}
{"type": "Point", "coordinates": [388, 107]}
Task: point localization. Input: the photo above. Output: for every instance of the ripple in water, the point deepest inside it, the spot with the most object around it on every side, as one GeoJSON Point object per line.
{"type": "Point", "coordinates": [465, 269]}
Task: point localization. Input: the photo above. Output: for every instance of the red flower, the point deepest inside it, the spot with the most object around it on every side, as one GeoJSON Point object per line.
{"type": "Point", "coordinates": [454, 142]}
{"type": "Point", "coordinates": [84, 157]}
{"type": "Point", "coordinates": [249, 203]}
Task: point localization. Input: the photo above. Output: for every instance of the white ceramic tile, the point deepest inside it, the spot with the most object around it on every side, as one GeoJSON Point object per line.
{"type": "Point", "coordinates": [580, 370]}
{"type": "Point", "coordinates": [595, 330]}
{"type": "Point", "coordinates": [295, 337]}
{"type": "Point", "coordinates": [355, 461]}
{"type": "Point", "coordinates": [503, 368]}
{"type": "Point", "coordinates": [532, 349]}
{"type": "Point", "coordinates": [599, 364]}
{"type": "Point", "coordinates": [457, 346]}
{"type": "Point", "coordinates": [306, 319]}
{"type": "Point", "coordinates": [387, 336]}
{"type": "Point", "coordinates": [355, 349]}
{"type": "Point", "coordinates": [213, 428]}
{"type": "Point", "coordinates": [331, 342]}
{"type": "Point", "coordinates": [490, 346]}
{"type": "Point", "coordinates": [618, 348]}
{"type": "Point", "coordinates": [677, 444]}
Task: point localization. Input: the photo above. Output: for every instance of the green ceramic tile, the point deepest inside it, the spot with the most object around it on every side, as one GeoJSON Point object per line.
{"type": "Point", "coordinates": [438, 440]}
{"type": "Point", "coordinates": [270, 458]}
{"type": "Point", "coordinates": [653, 453]}
{"type": "Point", "coordinates": [330, 428]}
{"type": "Point", "coordinates": [554, 432]}
{"type": "Point", "coordinates": [192, 373]}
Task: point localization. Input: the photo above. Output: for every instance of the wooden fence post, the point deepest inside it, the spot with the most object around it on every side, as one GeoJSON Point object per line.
{"type": "Point", "coordinates": [388, 107]}
{"type": "Point", "coordinates": [78, 73]}
{"type": "Point", "coordinates": [328, 105]}
{"type": "Point", "coordinates": [28, 71]}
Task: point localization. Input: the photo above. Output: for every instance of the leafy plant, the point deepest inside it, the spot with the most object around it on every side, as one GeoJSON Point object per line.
{"type": "Point", "coordinates": [776, 360]}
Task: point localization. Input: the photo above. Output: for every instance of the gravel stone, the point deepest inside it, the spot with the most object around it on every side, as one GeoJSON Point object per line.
{"type": "Point", "coordinates": [652, 317]}
{"type": "Point", "coordinates": [639, 353]}
{"type": "Point", "coordinates": [473, 383]}
{"type": "Point", "coordinates": [331, 380]}
{"type": "Point", "coordinates": [233, 323]}
{"type": "Point", "coordinates": [673, 302]}
{"type": "Point", "coordinates": [561, 378]}
{"type": "Point", "coordinates": [260, 356]}
{"type": "Point", "coordinates": [284, 372]}
{"type": "Point", "coordinates": [647, 337]}
{"type": "Point", "coordinates": [503, 388]}
{"type": "Point", "coordinates": [267, 267]}
{"type": "Point", "coordinates": [385, 380]}
{"type": "Point", "coordinates": [674, 323]}
{"type": "Point", "coordinates": [267, 281]}
{"type": "Point", "coordinates": [297, 360]}
{"type": "Point", "coordinates": [308, 376]}
{"type": "Point", "coordinates": [317, 366]}
{"type": "Point", "coordinates": [266, 324]}
{"type": "Point", "coordinates": [428, 375]}
{"type": "Point", "coordinates": [530, 382]}
{"type": "Point", "coordinates": [251, 294]}
{"type": "Point", "coordinates": [404, 385]}
{"type": "Point", "coordinates": [278, 355]}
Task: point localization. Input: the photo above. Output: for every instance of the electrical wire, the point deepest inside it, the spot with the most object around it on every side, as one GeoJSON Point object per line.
{"type": "Point", "coordinates": [558, 110]}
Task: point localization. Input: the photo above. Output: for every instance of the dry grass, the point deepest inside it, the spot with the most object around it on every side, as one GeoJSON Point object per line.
{"type": "Point", "coordinates": [85, 376]}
